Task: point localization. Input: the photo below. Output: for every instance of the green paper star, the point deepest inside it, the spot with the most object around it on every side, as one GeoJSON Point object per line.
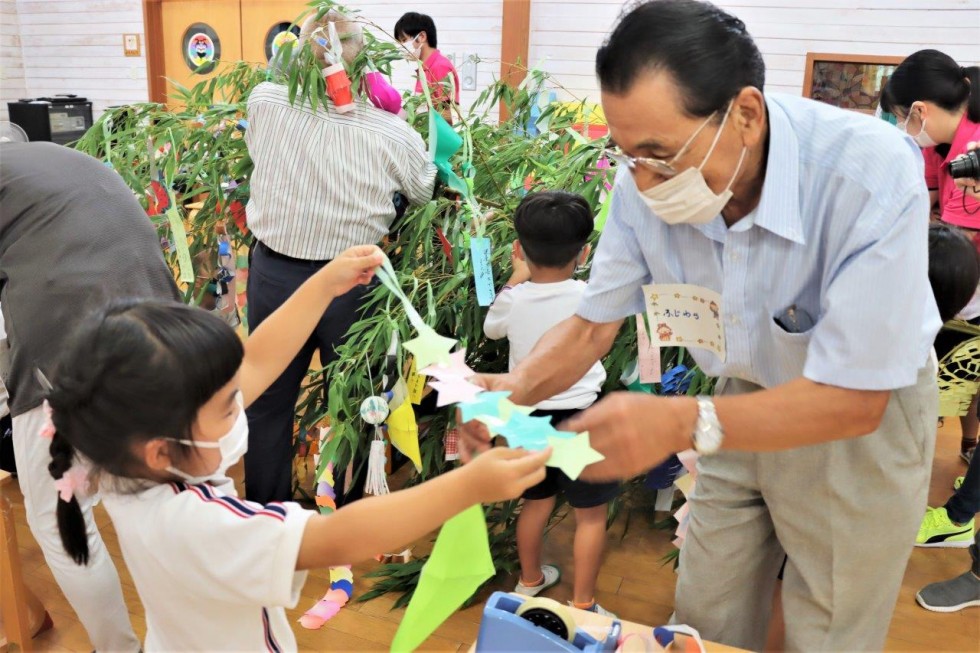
{"type": "Point", "coordinates": [429, 348]}
{"type": "Point", "coordinates": [508, 408]}
{"type": "Point", "coordinates": [572, 455]}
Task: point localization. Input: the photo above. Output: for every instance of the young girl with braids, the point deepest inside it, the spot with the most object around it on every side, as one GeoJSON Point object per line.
{"type": "Point", "coordinates": [148, 401]}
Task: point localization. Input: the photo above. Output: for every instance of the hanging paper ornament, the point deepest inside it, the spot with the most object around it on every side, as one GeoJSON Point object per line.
{"type": "Point", "coordinates": [451, 444]}
{"type": "Point", "coordinates": [404, 433]}
{"type": "Point", "coordinates": [377, 480]}
{"type": "Point", "coordinates": [374, 410]}
{"type": "Point", "coordinates": [157, 199]}
{"type": "Point", "coordinates": [341, 578]}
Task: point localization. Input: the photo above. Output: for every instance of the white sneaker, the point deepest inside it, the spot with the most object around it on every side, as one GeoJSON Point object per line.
{"type": "Point", "coordinates": [597, 609]}
{"type": "Point", "coordinates": [551, 577]}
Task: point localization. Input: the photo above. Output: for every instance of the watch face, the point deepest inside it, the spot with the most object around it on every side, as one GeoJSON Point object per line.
{"type": "Point", "coordinates": [707, 434]}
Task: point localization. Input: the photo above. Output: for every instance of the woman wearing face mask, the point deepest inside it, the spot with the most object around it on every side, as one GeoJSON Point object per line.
{"type": "Point", "coordinates": [937, 102]}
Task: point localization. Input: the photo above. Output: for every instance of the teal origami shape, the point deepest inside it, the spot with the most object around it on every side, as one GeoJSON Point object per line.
{"type": "Point", "coordinates": [528, 432]}
{"type": "Point", "coordinates": [486, 403]}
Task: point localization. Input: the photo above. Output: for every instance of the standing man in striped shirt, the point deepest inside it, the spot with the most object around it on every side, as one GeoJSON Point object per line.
{"type": "Point", "coordinates": [322, 182]}
{"type": "Point", "coordinates": [811, 223]}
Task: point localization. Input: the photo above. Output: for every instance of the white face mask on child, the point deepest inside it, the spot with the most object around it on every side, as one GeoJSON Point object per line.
{"type": "Point", "coordinates": [232, 445]}
{"type": "Point", "coordinates": [415, 47]}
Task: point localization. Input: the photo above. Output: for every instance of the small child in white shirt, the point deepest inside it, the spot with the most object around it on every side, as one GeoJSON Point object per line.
{"type": "Point", "coordinates": [553, 228]}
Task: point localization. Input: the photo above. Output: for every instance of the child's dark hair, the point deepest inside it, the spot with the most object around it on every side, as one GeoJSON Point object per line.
{"type": "Point", "coordinates": [954, 269]}
{"type": "Point", "coordinates": [413, 23]}
{"type": "Point", "coordinates": [132, 372]}
{"type": "Point", "coordinates": [553, 227]}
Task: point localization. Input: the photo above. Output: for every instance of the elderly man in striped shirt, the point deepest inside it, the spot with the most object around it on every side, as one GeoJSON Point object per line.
{"type": "Point", "coordinates": [323, 182]}
{"type": "Point", "coordinates": [811, 224]}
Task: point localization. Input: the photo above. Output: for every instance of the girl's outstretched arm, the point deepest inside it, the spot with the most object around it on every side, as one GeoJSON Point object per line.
{"type": "Point", "coordinates": [362, 529]}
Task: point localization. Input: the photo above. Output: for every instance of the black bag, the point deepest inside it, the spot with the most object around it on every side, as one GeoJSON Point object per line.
{"type": "Point", "coordinates": [7, 463]}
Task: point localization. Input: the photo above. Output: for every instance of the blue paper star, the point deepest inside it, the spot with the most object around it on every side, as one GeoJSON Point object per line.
{"type": "Point", "coordinates": [528, 432]}
{"type": "Point", "coordinates": [486, 403]}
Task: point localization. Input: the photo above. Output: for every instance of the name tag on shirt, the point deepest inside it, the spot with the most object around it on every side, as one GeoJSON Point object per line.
{"type": "Point", "coordinates": [684, 315]}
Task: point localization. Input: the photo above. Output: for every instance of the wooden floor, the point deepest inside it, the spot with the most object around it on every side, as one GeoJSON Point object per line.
{"type": "Point", "coordinates": [633, 584]}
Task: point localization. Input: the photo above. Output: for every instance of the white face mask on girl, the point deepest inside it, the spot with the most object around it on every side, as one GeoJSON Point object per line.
{"type": "Point", "coordinates": [232, 445]}
{"type": "Point", "coordinates": [922, 139]}
{"type": "Point", "coordinates": [686, 198]}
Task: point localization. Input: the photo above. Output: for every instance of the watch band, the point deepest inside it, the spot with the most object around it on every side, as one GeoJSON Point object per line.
{"type": "Point", "coordinates": [708, 433]}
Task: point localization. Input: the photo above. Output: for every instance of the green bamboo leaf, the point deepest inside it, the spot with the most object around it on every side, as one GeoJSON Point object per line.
{"type": "Point", "coordinates": [314, 94]}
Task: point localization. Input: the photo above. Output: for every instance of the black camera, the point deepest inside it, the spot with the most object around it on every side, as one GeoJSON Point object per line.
{"type": "Point", "coordinates": [966, 166]}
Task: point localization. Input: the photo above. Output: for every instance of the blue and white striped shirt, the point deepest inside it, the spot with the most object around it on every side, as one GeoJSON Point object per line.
{"type": "Point", "coordinates": [840, 231]}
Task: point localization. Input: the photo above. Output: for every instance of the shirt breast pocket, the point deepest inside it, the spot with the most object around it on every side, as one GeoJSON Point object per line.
{"type": "Point", "coordinates": [789, 350]}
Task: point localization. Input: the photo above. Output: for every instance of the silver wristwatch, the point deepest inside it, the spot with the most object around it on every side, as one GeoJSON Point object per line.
{"type": "Point", "coordinates": [708, 434]}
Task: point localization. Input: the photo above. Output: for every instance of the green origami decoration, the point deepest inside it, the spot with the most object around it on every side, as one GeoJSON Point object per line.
{"type": "Point", "coordinates": [446, 143]}
{"type": "Point", "coordinates": [429, 348]}
{"type": "Point", "coordinates": [572, 454]}
{"type": "Point", "coordinates": [460, 563]}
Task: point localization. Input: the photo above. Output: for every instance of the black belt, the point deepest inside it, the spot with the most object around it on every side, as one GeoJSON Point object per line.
{"type": "Point", "coordinates": [271, 253]}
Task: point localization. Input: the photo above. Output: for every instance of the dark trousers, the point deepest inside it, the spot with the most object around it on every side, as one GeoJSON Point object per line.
{"type": "Point", "coordinates": [272, 279]}
{"type": "Point", "coordinates": [965, 502]}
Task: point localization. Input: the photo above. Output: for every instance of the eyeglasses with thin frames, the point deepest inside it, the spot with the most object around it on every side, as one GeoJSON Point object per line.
{"type": "Point", "coordinates": [658, 166]}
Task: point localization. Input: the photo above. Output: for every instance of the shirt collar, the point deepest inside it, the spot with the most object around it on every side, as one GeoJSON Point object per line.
{"type": "Point", "coordinates": [779, 206]}
{"type": "Point", "coordinates": [965, 132]}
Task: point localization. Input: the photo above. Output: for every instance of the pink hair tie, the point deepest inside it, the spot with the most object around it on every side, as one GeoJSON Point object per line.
{"type": "Point", "coordinates": [47, 431]}
{"type": "Point", "coordinates": [72, 481]}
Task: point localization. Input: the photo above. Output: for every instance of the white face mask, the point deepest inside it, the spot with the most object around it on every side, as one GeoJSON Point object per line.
{"type": "Point", "coordinates": [414, 46]}
{"type": "Point", "coordinates": [922, 139]}
{"type": "Point", "coordinates": [686, 198]}
{"type": "Point", "coordinates": [232, 445]}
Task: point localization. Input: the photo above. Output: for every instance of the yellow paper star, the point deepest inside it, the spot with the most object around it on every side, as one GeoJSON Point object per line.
{"type": "Point", "coordinates": [572, 455]}
{"type": "Point", "coordinates": [430, 348]}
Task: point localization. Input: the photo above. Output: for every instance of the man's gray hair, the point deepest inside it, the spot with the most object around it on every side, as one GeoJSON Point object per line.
{"type": "Point", "coordinates": [348, 29]}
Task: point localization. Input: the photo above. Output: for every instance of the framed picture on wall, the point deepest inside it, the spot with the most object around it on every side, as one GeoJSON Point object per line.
{"type": "Point", "coordinates": [848, 81]}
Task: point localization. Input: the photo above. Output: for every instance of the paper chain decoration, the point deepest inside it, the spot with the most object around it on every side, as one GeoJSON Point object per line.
{"type": "Point", "coordinates": [341, 578]}
{"type": "Point", "coordinates": [571, 452]}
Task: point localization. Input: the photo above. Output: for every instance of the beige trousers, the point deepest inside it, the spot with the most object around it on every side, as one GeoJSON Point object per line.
{"type": "Point", "coordinates": [845, 513]}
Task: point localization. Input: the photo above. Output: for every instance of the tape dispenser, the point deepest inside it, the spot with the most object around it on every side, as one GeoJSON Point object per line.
{"type": "Point", "coordinates": [517, 623]}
